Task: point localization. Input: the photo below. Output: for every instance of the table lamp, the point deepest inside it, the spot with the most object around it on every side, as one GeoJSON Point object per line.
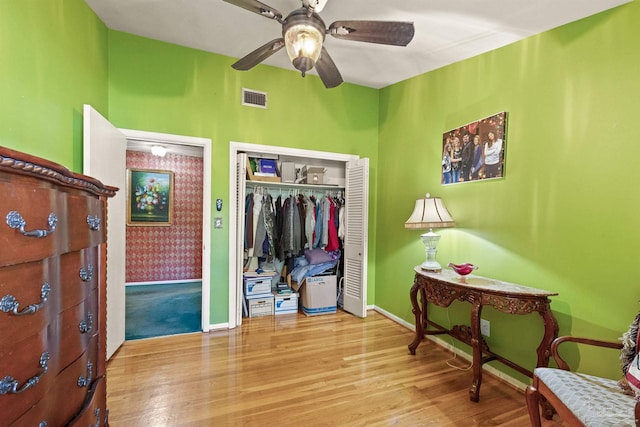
{"type": "Point", "coordinates": [430, 213]}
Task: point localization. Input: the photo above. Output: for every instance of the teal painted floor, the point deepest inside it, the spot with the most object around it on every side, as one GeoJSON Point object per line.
{"type": "Point", "coordinates": [162, 309]}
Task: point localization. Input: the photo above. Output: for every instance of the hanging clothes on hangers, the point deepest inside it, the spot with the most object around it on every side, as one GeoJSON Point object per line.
{"type": "Point", "coordinates": [341, 224]}
{"type": "Point", "coordinates": [317, 234]}
{"type": "Point", "coordinates": [248, 222]}
{"type": "Point", "coordinates": [269, 223]}
{"type": "Point", "coordinates": [309, 220]}
{"type": "Point", "coordinates": [279, 227]}
{"type": "Point", "coordinates": [291, 227]}
{"type": "Point", "coordinates": [332, 230]}
{"type": "Point", "coordinates": [257, 210]}
{"type": "Point", "coordinates": [302, 214]}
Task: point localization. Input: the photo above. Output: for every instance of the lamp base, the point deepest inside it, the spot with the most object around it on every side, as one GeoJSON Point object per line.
{"type": "Point", "coordinates": [433, 266]}
{"type": "Point", "coordinates": [430, 241]}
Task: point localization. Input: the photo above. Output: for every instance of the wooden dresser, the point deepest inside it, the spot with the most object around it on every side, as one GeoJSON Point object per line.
{"type": "Point", "coordinates": [52, 294]}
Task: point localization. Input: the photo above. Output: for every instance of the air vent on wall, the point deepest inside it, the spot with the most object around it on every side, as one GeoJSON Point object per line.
{"type": "Point", "coordinates": [253, 98]}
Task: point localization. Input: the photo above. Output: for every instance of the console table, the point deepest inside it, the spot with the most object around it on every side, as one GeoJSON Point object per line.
{"type": "Point", "coordinates": [444, 287]}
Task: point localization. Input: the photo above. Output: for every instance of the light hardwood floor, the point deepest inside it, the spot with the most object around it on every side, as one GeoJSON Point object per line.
{"type": "Point", "coordinates": [292, 370]}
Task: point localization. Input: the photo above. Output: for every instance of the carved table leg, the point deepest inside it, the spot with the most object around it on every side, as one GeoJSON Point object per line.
{"type": "Point", "coordinates": [550, 333]}
{"type": "Point", "coordinates": [413, 295]}
{"type": "Point", "coordinates": [544, 349]}
{"type": "Point", "coordinates": [424, 307]}
{"type": "Point", "coordinates": [476, 343]}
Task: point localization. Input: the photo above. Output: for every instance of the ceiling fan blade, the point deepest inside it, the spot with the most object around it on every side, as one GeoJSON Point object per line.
{"type": "Point", "coordinates": [258, 55]}
{"type": "Point", "coordinates": [327, 70]}
{"type": "Point", "coordinates": [257, 7]}
{"type": "Point", "coordinates": [382, 32]}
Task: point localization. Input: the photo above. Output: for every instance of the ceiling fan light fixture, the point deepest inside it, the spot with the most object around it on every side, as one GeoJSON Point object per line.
{"type": "Point", "coordinates": [303, 38]}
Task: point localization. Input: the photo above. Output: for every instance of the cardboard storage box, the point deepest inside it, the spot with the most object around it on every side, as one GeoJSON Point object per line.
{"type": "Point", "coordinates": [288, 172]}
{"type": "Point", "coordinates": [257, 285]}
{"type": "Point", "coordinates": [285, 303]}
{"type": "Point", "coordinates": [317, 295]}
{"type": "Point", "coordinates": [262, 306]}
{"type": "Point", "coordinates": [313, 175]}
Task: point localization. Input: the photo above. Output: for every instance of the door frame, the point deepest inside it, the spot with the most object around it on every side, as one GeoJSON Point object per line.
{"type": "Point", "coordinates": [205, 143]}
{"type": "Point", "coordinates": [235, 279]}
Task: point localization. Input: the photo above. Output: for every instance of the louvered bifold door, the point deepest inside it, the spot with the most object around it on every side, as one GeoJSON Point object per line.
{"type": "Point", "coordinates": [356, 237]}
{"type": "Point", "coordinates": [240, 203]}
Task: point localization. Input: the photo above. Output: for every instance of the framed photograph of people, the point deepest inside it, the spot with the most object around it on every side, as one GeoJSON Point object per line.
{"type": "Point", "coordinates": [149, 197]}
{"type": "Point", "coordinates": [475, 151]}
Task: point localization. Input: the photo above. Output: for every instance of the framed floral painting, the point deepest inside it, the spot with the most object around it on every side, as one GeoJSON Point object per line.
{"type": "Point", "coordinates": [475, 151]}
{"type": "Point", "coordinates": [149, 197]}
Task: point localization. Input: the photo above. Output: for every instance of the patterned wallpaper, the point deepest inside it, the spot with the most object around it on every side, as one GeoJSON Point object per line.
{"type": "Point", "coordinates": [174, 252]}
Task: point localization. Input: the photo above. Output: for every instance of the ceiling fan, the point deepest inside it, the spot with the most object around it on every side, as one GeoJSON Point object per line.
{"type": "Point", "coordinates": [303, 34]}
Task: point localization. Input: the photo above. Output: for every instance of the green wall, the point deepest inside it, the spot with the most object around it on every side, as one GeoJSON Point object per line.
{"type": "Point", "coordinates": [54, 59]}
{"type": "Point", "coordinates": [563, 218]}
{"type": "Point", "coordinates": [161, 87]}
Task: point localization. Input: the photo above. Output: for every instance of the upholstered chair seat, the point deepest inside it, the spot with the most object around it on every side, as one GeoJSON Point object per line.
{"type": "Point", "coordinates": [594, 401]}
{"type": "Point", "coordinates": [581, 399]}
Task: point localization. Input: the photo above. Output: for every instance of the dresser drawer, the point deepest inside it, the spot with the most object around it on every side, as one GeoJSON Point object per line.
{"type": "Point", "coordinates": [79, 275]}
{"type": "Point", "coordinates": [76, 381]}
{"type": "Point", "coordinates": [78, 327]}
{"type": "Point", "coordinates": [37, 415]}
{"type": "Point", "coordinates": [30, 298]}
{"type": "Point", "coordinates": [33, 207]}
{"type": "Point", "coordinates": [34, 359]}
{"type": "Point", "coordinates": [94, 412]}
{"type": "Point", "coordinates": [76, 387]}
{"type": "Point", "coordinates": [86, 226]}
{"type": "Point", "coordinates": [41, 222]}
{"type": "Point", "coordinates": [37, 291]}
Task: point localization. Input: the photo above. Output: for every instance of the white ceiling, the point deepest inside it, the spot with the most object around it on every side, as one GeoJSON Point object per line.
{"type": "Point", "coordinates": [447, 31]}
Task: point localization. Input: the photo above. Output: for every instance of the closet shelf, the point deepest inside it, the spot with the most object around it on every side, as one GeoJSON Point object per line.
{"type": "Point", "coordinates": [266, 184]}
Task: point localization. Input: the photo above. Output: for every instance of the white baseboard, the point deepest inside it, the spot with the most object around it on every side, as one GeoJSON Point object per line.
{"type": "Point", "coordinates": [218, 326]}
{"type": "Point", "coordinates": [490, 369]}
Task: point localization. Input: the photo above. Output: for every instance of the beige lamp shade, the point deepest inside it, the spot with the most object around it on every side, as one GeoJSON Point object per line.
{"type": "Point", "coordinates": [429, 212]}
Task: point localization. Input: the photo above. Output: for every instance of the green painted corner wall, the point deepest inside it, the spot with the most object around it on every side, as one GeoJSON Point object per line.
{"type": "Point", "coordinates": [161, 87]}
{"type": "Point", "coordinates": [54, 60]}
{"type": "Point", "coordinates": [564, 216]}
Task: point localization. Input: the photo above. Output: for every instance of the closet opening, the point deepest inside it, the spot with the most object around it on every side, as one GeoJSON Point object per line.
{"type": "Point", "coordinates": [305, 186]}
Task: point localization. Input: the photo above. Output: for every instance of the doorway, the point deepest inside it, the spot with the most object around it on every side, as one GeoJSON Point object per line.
{"type": "Point", "coordinates": [167, 288]}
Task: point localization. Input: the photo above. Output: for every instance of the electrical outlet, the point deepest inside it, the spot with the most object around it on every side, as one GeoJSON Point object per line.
{"type": "Point", "coordinates": [485, 327]}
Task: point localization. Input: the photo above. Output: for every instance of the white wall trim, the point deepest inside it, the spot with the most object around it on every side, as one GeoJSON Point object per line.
{"type": "Point", "coordinates": [286, 151]}
{"type": "Point", "coordinates": [205, 143]}
{"type": "Point", "coordinates": [490, 369]}
{"type": "Point", "coordinates": [218, 326]}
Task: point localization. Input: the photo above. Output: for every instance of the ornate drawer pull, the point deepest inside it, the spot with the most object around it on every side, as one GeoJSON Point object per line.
{"type": "Point", "coordinates": [15, 220]}
{"type": "Point", "coordinates": [86, 274]}
{"type": "Point", "coordinates": [96, 412]}
{"type": "Point", "coordinates": [8, 385]}
{"type": "Point", "coordinates": [43, 424]}
{"type": "Point", "coordinates": [94, 222]}
{"type": "Point", "coordinates": [85, 381]}
{"type": "Point", "coordinates": [9, 303]}
{"type": "Point", "coordinates": [86, 325]}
